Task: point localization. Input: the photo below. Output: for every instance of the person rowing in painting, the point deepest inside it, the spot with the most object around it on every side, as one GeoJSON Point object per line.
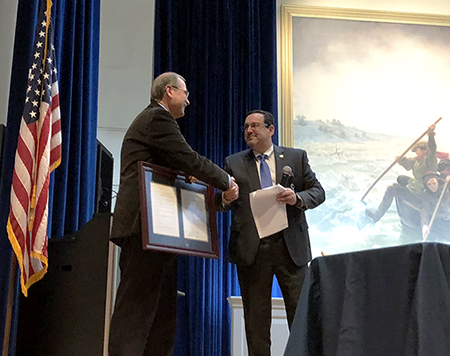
{"type": "Point", "coordinates": [409, 189]}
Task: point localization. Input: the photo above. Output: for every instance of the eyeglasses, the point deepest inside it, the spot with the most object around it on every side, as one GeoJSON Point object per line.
{"type": "Point", "coordinates": [185, 90]}
{"type": "Point", "coordinates": [253, 126]}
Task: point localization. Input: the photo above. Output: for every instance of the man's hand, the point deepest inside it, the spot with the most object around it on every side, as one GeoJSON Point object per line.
{"type": "Point", "coordinates": [431, 130]}
{"type": "Point", "coordinates": [232, 193]}
{"type": "Point", "coordinates": [287, 197]}
{"type": "Point", "coordinates": [192, 179]}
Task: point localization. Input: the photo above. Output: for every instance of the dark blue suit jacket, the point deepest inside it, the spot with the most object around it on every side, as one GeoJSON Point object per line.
{"type": "Point", "coordinates": [244, 239]}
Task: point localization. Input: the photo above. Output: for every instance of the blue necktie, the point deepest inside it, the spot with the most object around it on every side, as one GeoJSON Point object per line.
{"type": "Point", "coordinates": [264, 172]}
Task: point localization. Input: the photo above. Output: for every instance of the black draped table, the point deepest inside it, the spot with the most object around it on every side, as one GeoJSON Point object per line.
{"type": "Point", "coordinates": [386, 302]}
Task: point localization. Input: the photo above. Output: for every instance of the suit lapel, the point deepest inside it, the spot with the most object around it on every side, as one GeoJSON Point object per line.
{"type": "Point", "coordinates": [279, 161]}
{"type": "Point", "coordinates": [252, 172]}
{"type": "Point", "coordinates": [250, 165]}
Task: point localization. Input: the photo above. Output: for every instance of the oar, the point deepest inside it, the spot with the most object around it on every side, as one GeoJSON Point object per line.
{"type": "Point", "coordinates": [397, 159]}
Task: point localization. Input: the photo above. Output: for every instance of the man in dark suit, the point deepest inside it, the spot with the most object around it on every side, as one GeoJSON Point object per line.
{"type": "Point", "coordinates": [283, 254]}
{"type": "Point", "coordinates": [144, 316]}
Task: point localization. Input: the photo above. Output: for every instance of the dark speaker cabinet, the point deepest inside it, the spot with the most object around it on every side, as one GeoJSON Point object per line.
{"type": "Point", "coordinates": [104, 179]}
{"type": "Point", "coordinates": [64, 313]}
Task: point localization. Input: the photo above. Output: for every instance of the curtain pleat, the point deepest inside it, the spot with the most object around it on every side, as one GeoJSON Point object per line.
{"type": "Point", "coordinates": [77, 28]}
{"type": "Point", "coordinates": [226, 50]}
{"type": "Point", "coordinates": [72, 188]}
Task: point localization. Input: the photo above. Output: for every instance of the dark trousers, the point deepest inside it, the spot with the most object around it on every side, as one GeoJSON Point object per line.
{"type": "Point", "coordinates": [396, 191]}
{"type": "Point", "coordinates": [144, 316]}
{"type": "Point", "coordinates": [255, 281]}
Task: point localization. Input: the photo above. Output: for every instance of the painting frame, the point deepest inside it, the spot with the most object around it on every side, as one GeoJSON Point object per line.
{"type": "Point", "coordinates": [288, 12]}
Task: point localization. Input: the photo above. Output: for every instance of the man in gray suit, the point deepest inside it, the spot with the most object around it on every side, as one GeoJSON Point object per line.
{"type": "Point", "coordinates": [144, 316]}
{"type": "Point", "coordinates": [283, 254]}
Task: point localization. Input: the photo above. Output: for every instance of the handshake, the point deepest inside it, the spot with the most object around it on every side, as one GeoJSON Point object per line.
{"type": "Point", "coordinates": [229, 195]}
{"type": "Point", "coordinates": [232, 193]}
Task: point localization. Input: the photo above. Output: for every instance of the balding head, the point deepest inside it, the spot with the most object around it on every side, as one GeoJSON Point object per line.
{"type": "Point", "coordinates": [159, 84]}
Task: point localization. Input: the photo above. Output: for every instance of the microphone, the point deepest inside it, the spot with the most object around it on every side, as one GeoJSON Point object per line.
{"type": "Point", "coordinates": [286, 177]}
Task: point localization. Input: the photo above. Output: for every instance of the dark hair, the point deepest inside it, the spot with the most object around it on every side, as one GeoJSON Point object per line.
{"type": "Point", "coordinates": [268, 117]}
{"type": "Point", "coordinates": [427, 176]}
{"type": "Point", "coordinates": [445, 163]}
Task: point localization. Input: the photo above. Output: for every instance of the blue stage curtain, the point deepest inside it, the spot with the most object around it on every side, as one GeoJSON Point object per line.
{"type": "Point", "coordinates": [71, 204]}
{"type": "Point", "coordinates": [226, 50]}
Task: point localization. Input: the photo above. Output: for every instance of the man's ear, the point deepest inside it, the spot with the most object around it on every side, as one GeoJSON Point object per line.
{"type": "Point", "coordinates": [168, 91]}
{"type": "Point", "coordinates": [271, 130]}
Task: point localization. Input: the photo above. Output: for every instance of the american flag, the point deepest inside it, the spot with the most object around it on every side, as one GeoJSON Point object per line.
{"type": "Point", "coordinates": [38, 153]}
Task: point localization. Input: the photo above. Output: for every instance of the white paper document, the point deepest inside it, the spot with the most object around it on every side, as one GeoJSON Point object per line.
{"type": "Point", "coordinates": [270, 217]}
{"type": "Point", "coordinates": [164, 209]}
{"type": "Point", "coordinates": [194, 216]}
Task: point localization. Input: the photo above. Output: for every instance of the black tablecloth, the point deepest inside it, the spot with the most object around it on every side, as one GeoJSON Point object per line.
{"type": "Point", "coordinates": [391, 301]}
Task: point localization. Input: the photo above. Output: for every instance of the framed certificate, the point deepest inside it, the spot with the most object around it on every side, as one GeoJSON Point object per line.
{"type": "Point", "coordinates": [177, 216]}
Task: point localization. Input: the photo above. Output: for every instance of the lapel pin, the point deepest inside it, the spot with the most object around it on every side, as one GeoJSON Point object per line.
{"type": "Point", "coordinates": [281, 156]}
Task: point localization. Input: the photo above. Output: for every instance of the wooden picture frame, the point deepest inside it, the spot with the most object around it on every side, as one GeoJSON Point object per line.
{"type": "Point", "coordinates": [177, 216]}
{"type": "Point", "coordinates": [353, 125]}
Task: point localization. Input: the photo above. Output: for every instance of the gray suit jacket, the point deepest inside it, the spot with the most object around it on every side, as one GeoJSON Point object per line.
{"type": "Point", "coordinates": [244, 239]}
{"type": "Point", "coordinates": [155, 137]}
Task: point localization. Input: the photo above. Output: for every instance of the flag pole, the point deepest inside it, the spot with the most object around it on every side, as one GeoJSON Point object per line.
{"type": "Point", "coordinates": [39, 126]}
{"type": "Point", "coordinates": [10, 302]}
{"type": "Point", "coordinates": [396, 160]}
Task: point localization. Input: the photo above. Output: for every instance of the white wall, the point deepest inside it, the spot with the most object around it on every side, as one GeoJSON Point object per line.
{"type": "Point", "coordinates": [8, 14]}
{"type": "Point", "coordinates": [126, 70]}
